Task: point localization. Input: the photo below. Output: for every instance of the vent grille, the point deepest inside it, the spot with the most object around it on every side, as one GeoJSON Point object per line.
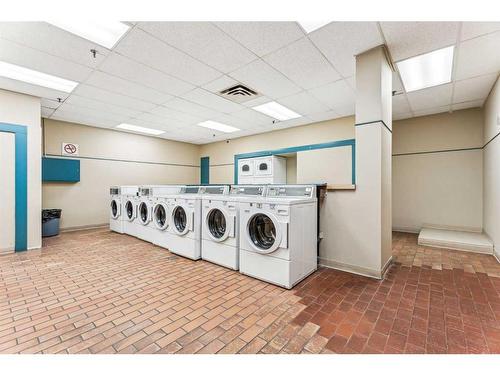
{"type": "Point", "coordinates": [239, 93]}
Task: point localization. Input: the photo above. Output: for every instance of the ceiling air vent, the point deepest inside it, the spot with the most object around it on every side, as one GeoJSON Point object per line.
{"type": "Point", "coordinates": [239, 93]}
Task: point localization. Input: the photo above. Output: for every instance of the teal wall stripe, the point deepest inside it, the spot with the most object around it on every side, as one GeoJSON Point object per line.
{"type": "Point", "coordinates": [317, 146]}
{"type": "Point", "coordinates": [205, 170]}
{"type": "Point", "coordinates": [60, 170]}
{"type": "Point", "coordinates": [21, 183]}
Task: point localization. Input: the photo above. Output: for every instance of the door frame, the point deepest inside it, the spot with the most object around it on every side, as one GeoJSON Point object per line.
{"type": "Point", "coordinates": [21, 183]}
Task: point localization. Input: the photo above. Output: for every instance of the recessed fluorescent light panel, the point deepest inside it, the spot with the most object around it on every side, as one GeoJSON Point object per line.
{"type": "Point", "coordinates": [34, 77]}
{"type": "Point", "coordinates": [310, 26]}
{"type": "Point", "coordinates": [277, 111]}
{"type": "Point", "coordinates": [140, 129]}
{"type": "Point", "coordinates": [218, 126]}
{"type": "Point", "coordinates": [431, 69]}
{"type": "Point", "coordinates": [105, 33]}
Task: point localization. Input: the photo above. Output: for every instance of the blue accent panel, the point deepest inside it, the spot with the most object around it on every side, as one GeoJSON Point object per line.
{"type": "Point", "coordinates": [21, 183]}
{"type": "Point", "coordinates": [205, 170]}
{"type": "Point", "coordinates": [317, 146]}
{"type": "Point", "coordinates": [60, 170]}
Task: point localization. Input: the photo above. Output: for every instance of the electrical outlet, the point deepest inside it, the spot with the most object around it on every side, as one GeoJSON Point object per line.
{"type": "Point", "coordinates": [321, 235]}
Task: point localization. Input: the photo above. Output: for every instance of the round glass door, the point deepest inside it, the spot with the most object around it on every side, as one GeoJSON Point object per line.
{"type": "Point", "coordinates": [216, 221]}
{"type": "Point", "coordinates": [180, 219]}
{"type": "Point", "coordinates": [262, 231]}
{"type": "Point", "coordinates": [129, 207]}
{"type": "Point", "coordinates": [114, 209]}
{"type": "Point", "coordinates": [160, 214]}
{"type": "Point", "coordinates": [143, 212]}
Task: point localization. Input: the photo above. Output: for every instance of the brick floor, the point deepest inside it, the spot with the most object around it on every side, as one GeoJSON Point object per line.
{"type": "Point", "coordinates": [100, 292]}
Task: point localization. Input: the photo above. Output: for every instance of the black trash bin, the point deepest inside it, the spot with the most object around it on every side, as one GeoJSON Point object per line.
{"type": "Point", "coordinates": [50, 222]}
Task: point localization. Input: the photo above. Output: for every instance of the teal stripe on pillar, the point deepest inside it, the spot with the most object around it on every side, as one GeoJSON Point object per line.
{"type": "Point", "coordinates": [205, 170]}
{"type": "Point", "coordinates": [21, 182]}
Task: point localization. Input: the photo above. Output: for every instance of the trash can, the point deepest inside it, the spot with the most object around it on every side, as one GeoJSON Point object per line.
{"type": "Point", "coordinates": [50, 222]}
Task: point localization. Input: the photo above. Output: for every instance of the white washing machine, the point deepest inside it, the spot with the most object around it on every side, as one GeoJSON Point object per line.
{"type": "Point", "coordinates": [278, 237]}
{"type": "Point", "coordinates": [146, 228]}
{"type": "Point", "coordinates": [130, 200]}
{"type": "Point", "coordinates": [163, 198]}
{"type": "Point", "coordinates": [115, 212]}
{"type": "Point", "coordinates": [220, 224]}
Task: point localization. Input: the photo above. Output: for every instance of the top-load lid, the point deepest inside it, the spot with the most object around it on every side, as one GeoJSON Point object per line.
{"type": "Point", "coordinates": [214, 190]}
{"type": "Point", "coordinates": [291, 191]}
{"type": "Point", "coordinates": [248, 190]}
{"type": "Point", "coordinates": [114, 190]}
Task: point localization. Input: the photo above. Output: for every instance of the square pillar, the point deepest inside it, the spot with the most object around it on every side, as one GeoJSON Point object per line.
{"type": "Point", "coordinates": [374, 158]}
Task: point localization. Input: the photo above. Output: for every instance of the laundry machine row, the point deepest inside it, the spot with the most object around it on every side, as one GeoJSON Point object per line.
{"type": "Point", "coordinates": [266, 231]}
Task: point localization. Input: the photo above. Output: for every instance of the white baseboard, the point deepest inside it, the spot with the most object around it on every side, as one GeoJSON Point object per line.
{"type": "Point", "coordinates": [453, 227]}
{"type": "Point", "coordinates": [363, 271]}
{"type": "Point", "coordinates": [85, 227]}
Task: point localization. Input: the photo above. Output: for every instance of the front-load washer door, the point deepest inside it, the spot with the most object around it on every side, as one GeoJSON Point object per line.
{"type": "Point", "coordinates": [144, 213]}
{"type": "Point", "coordinates": [130, 210]}
{"type": "Point", "coordinates": [264, 232]}
{"type": "Point", "coordinates": [219, 224]}
{"type": "Point", "coordinates": [115, 209]}
{"type": "Point", "coordinates": [181, 222]}
{"type": "Point", "coordinates": [160, 216]}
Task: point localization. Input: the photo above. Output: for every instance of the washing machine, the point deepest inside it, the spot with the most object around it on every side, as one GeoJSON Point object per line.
{"type": "Point", "coordinates": [130, 200]}
{"type": "Point", "coordinates": [145, 226]}
{"type": "Point", "coordinates": [278, 236]}
{"type": "Point", "coordinates": [163, 199]}
{"type": "Point", "coordinates": [186, 219]}
{"type": "Point", "coordinates": [115, 212]}
{"type": "Point", "coordinates": [220, 224]}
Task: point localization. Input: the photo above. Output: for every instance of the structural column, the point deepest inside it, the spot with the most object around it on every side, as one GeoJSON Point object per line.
{"type": "Point", "coordinates": [374, 158]}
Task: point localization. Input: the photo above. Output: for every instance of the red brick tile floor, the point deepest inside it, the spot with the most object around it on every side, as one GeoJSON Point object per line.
{"type": "Point", "coordinates": [100, 292]}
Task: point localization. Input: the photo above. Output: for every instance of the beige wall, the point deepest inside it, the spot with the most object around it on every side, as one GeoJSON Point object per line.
{"type": "Point", "coordinates": [438, 188]}
{"type": "Point", "coordinates": [24, 110]}
{"type": "Point", "coordinates": [112, 158]}
{"type": "Point", "coordinates": [491, 155]}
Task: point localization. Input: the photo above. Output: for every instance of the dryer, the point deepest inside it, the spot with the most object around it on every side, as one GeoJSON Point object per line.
{"type": "Point", "coordinates": [163, 198]}
{"type": "Point", "coordinates": [115, 210]}
{"type": "Point", "coordinates": [130, 199]}
{"type": "Point", "coordinates": [145, 226]}
{"type": "Point", "coordinates": [278, 235]}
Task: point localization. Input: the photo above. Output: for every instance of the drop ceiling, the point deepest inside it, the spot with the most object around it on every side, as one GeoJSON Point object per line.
{"type": "Point", "coordinates": [166, 75]}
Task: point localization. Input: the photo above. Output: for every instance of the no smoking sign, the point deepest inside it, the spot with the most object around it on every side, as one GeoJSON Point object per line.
{"type": "Point", "coordinates": [69, 149]}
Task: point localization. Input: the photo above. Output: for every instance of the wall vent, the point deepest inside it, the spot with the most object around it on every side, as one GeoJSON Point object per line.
{"type": "Point", "coordinates": [239, 93]}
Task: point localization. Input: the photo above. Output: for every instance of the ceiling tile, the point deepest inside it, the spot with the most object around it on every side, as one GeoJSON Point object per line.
{"type": "Point", "coordinates": [407, 39]}
{"type": "Point", "coordinates": [49, 103]}
{"type": "Point", "coordinates": [291, 123]}
{"type": "Point", "coordinates": [98, 106]}
{"type": "Point", "coordinates": [257, 101]}
{"type": "Point", "coordinates": [213, 101]}
{"type": "Point", "coordinates": [86, 112]}
{"type": "Point", "coordinates": [303, 103]}
{"type": "Point", "coordinates": [324, 116]}
{"type": "Point", "coordinates": [121, 86]}
{"type": "Point", "coordinates": [113, 98]}
{"type": "Point", "coordinates": [337, 95]}
{"type": "Point", "coordinates": [182, 105]}
{"type": "Point", "coordinates": [430, 98]}
{"type": "Point", "coordinates": [135, 72]}
{"type": "Point", "coordinates": [177, 115]}
{"type": "Point", "coordinates": [400, 104]}
{"type": "Point", "coordinates": [265, 80]}
{"type": "Point", "coordinates": [262, 37]}
{"type": "Point", "coordinates": [235, 121]}
{"type": "Point", "coordinates": [478, 56]}
{"type": "Point", "coordinates": [341, 41]}
{"type": "Point", "coordinates": [156, 122]}
{"type": "Point", "coordinates": [465, 105]}
{"type": "Point", "coordinates": [397, 85]}
{"type": "Point", "coordinates": [432, 111]}
{"type": "Point", "coordinates": [401, 116]}
{"type": "Point", "coordinates": [220, 84]}
{"type": "Point", "coordinates": [204, 41]}
{"type": "Point", "coordinates": [473, 88]}
{"type": "Point", "coordinates": [302, 62]}
{"type": "Point", "coordinates": [473, 29]}
{"type": "Point", "coordinates": [85, 120]}
{"type": "Point", "coordinates": [26, 88]}
{"type": "Point", "coordinates": [253, 117]}
{"type": "Point", "coordinates": [54, 41]}
{"type": "Point", "coordinates": [29, 58]}
{"type": "Point", "coordinates": [142, 47]}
